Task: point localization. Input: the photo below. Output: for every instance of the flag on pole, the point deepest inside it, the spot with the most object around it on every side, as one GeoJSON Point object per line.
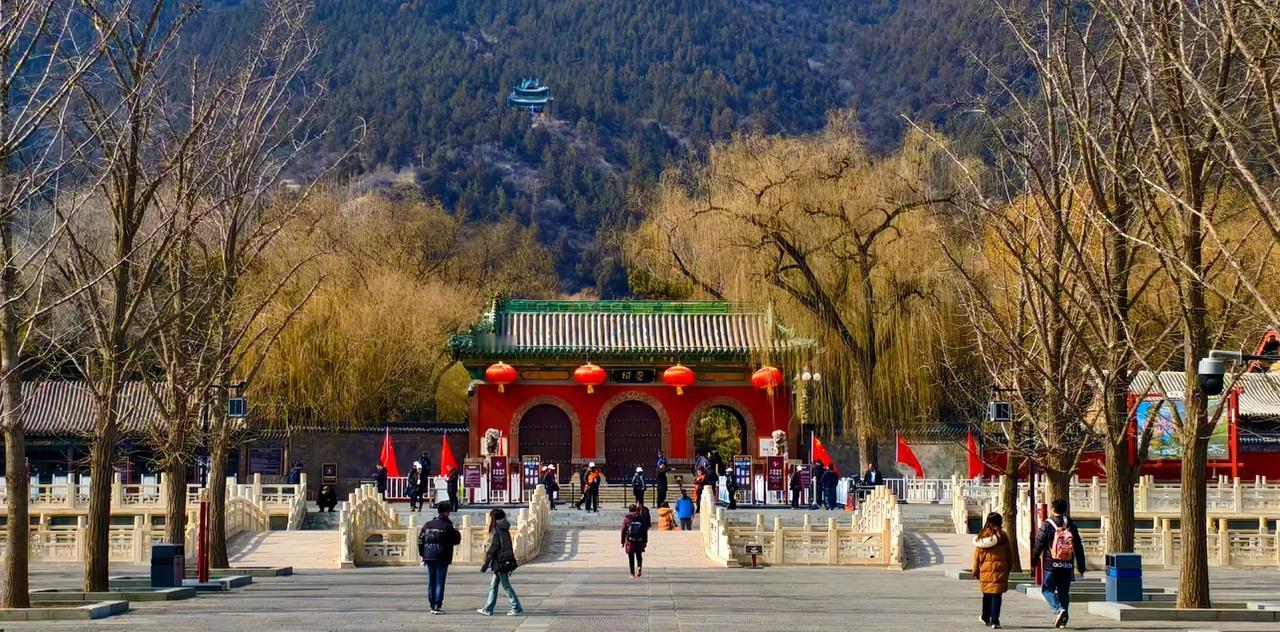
{"type": "Point", "coordinates": [820, 453]}
{"type": "Point", "coordinates": [388, 456]}
{"type": "Point", "coordinates": [975, 457]}
{"type": "Point", "coordinates": [908, 458]}
{"type": "Point", "coordinates": [446, 457]}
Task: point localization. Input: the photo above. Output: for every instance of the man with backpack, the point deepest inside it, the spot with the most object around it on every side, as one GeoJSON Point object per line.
{"type": "Point", "coordinates": [638, 485]}
{"type": "Point", "coordinates": [436, 540]}
{"type": "Point", "coordinates": [1059, 548]}
{"type": "Point", "coordinates": [635, 535]}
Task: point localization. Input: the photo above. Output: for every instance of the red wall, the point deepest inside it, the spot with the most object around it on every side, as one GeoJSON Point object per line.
{"type": "Point", "coordinates": [491, 409]}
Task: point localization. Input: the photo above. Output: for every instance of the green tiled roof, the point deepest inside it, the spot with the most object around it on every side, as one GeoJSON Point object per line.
{"type": "Point", "coordinates": [622, 329]}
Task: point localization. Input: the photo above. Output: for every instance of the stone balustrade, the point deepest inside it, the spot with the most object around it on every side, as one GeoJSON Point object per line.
{"type": "Point", "coordinates": [70, 496]}
{"type": "Point", "coordinates": [370, 532]}
{"type": "Point", "coordinates": [871, 537]}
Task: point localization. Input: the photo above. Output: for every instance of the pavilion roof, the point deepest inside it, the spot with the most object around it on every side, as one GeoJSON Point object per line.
{"type": "Point", "coordinates": [624, 329]}
{"type": "Point", "coordinates": [1259, 392]}
{"type": "Point", "coordinates": [69, 408]}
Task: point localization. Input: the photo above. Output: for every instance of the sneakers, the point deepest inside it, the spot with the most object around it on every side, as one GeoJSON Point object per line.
{"type": "Point", "coordinates": [983, 620]}
{"type": "Point", "coordinates": [484, 612]}
{"type": "Point", "coordinates": [1061, 620]}
{"type": "Point", "coordinates": [639, 572]}
{"type": "Point", "coordinates": [995, 626]}
{"type": "Point", "coordinates": [515, 613]}
{"type": "Point", "coordinates": [434, 611]}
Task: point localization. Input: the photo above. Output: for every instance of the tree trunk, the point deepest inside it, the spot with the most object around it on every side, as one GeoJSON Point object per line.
{"type": "Point", "coordinates": [19, 535]}
{"type": "Point", "coordinates": [97, 562]}
{"type": "Point", "coordinates": [216, 525]}
{"type": "Point", "coordinates": [1009, 511]}
{"type": "Point", "coordinates": [1058, 477]}
{"type": "Point", "coordinates": [1119, 498]}
{"type": "Point", "coordinates": [1193, 582]}
{"type": "Point", "coordinates": [175, 513]}
{"type": "Point", "coordinates": [867, 446]}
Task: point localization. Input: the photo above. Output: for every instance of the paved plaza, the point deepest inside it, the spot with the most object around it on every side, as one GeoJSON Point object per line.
{"type": "Point", "coordinates": [583, 585]}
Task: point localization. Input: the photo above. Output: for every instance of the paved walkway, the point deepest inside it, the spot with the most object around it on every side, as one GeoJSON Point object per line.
{"type": "Point", "coordinates": [562, 598]}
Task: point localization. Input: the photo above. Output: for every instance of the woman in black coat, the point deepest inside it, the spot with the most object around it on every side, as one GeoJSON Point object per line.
{"type": "Point", "coordinates": [500, 557]}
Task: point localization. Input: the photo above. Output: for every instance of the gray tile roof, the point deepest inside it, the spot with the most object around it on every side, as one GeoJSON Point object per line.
{"type": "Point", "coordinates": [1259, 397]}
{"type": "Point", "coordinates": [69, 408]}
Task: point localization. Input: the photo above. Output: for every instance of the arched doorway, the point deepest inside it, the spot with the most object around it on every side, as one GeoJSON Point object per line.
{"type": "Point", "coordinates": [632, 437]}
{"type": "Point", "coordinates": [545, 430]}
{"type": "Point", "coordinates": [719, 429]}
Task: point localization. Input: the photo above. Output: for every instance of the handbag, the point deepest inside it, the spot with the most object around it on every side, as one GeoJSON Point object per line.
{"type": "Point", "coordinates": [505, 565]}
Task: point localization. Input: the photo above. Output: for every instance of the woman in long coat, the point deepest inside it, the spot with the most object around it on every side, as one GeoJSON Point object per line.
{"type": "Point", "coordinates": [992, 560]}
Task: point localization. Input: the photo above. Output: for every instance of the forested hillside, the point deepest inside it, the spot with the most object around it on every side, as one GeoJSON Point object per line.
{"type": "Point", "coordinates": [637, 85]}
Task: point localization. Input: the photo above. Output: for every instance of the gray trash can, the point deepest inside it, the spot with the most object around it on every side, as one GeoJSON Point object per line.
{"type": "Point", "coordinates": [1124, 577]}
{"type": "Point", "coordinates": [168, 565]}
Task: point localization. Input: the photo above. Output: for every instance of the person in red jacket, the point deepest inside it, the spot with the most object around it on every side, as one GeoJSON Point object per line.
{"type": "Point", "coordinates": [635, 535]}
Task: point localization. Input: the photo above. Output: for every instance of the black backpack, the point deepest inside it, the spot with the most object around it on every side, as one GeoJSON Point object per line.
{"type": "Point", "coordinates": [635, 532]}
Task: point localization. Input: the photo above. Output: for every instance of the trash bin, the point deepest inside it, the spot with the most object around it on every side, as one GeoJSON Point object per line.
{"type": "Point", "coordinates": [1124, 577]}
{"type": "Point", "coordinates": [168, 565]}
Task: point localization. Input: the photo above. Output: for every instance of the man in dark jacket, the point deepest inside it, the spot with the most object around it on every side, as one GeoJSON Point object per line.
{"type": "Point", "coordinates": [551, 485]}
{"type": "Point", "coordinates": [425, 460]}
{"type": "Point", "coordinates": [661, 482]}
{"type": "Point", "coordinates": [796, 484]}
{"type": "Point", "coordinates": [1060, 563]}
{"type": "Point", "coordinates": [436, 540]}
{"type": "Point", "coordinates": [455, 493]}
{"type": "Point", "coordinates": [731, 488]}
{"type": "Point", "coordinates": [638, 485]}
{"type": "Point", "coordinates": [380, 479]}
{"type": "Point", "coordinates": [830, 482]}
{"type": "Point", "coordinates": [594, 480]}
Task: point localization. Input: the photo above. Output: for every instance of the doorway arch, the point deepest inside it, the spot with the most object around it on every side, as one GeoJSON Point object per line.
{"type": "Point", "coordinates": [548, 427]}
{"type": "Point", "coordinates": [747, 425]}
{"type": "Point", "coordinates": [632, 428]}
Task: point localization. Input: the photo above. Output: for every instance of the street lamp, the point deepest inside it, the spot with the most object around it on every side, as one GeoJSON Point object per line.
{"type": "Point", "coordinates": [1212, 370]}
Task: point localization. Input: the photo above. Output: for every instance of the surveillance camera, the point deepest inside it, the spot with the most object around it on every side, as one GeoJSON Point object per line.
{"type": "Point", "coordinates": [1211, 373]}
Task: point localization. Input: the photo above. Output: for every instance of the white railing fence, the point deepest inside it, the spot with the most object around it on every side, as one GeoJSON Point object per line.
{"type": "Point", "coordinates": [871, 537]}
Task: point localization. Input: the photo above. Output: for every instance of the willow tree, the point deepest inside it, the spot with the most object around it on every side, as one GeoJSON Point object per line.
{"type": "Point", "coordinates": [395, 279]}
{"type": "Point", "coordinates": [841, 241]}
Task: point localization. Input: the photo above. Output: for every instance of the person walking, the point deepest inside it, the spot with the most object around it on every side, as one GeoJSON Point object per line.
{"type": "Point", "coordinates": [436, 540]}
{"type": "Point", "coordinates": [638, 485]}
{"type": "Point", "coordinates": [635, 535]}
{"type": "Point", "coordinates": [500, 557]}
{"type": "Point", "coordinates": [992, 560]}
{"type": "Point", "coordinates": [594, 480]}
{"type": "Point", "coordinates": [1059, 548]}
{"type": "Point", "coordinates": [660, 480]}
{"type": "Point", "coordinates": [796, 485]}
{"type": "Point", "coordinates": [684, 512]}
{"type": "Point", "coordinates": [830, 482]}
{"type": "Point", "coordinates": [413, 486]}
{"type": "Point", "coordinates": [380, 479]}
{"type": "Point", "coordinates": [582, 485]}
{"type": "Point", "coordinates": [455, 494]}
{"type": "Point", "coordinates": [551, 485]}
{"type": "Point", "coordinates": [731, 488]}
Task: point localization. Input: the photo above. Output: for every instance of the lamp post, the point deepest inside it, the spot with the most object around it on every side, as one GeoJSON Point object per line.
{"type": "Point", "coordinates": [806, 379]}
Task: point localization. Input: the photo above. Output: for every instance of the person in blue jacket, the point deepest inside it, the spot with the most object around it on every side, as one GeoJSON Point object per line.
{"type": "Point", "coordinates": [684, 511]}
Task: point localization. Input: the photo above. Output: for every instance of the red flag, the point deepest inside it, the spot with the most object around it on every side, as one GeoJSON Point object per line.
{"type": "Point", "coordinates": [388, 456]}
{"type": "Point", "coordinates": [820, 453]}
{"type": "Point", "coordinates": [975, 457]}
{"type": "Point", "coordinates": [446, 457]}
{"type": "Point", "coordinates": [908, 458]}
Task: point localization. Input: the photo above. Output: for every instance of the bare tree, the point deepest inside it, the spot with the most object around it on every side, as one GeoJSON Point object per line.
{"type": "Point", "coordinates": [116, 250]}
{"type": "Point", "coordinates": [42, 60]}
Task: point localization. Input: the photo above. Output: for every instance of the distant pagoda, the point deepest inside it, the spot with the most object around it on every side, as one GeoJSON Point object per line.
{"type": "Point", "coordinates": [530, 96]}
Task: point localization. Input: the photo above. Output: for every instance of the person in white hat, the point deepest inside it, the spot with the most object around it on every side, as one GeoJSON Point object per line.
{"type": "Point", "coordinates": [638, 485]}
{"type": "Point", "coordinates": [414, 485]}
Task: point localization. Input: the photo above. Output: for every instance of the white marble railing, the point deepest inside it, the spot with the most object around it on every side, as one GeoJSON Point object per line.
{"type": "Point", "coordinates": [370, 532]}
{"type": "Point", "coordinates": [872, 537]}
{"type": "Point", "coordinates": [125, 544]}
{"type": "Point", "coordinates": [69, 495]}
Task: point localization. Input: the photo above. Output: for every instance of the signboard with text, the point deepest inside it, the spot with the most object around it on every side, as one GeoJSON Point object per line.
{"type": "Point", "coordinates": [497, 474]}
{"type": "Point", "coordinates": [471, 474]}
{"type": "Point", "coordinates": [775, 473]}
{"type": "Point", "coordinates": [806, 475]}
{"type": "Point", "coordinates": [531, 464]}
{"type": "Point", "coordinates": [742, 470]}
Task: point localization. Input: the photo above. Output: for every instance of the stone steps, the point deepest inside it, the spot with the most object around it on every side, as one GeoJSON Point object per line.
{"type": "Point", "coordinates": [298, 549]}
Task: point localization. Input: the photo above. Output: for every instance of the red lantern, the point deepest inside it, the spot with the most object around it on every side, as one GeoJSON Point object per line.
{"type": "Point", "coordinates": [501, 374]}
{"type": "Point", "coordinates": [590, 375]}
{"type": "Point", "coordinates": [767, 378]}
{"type": "Point", "coordinates": [679, 376]}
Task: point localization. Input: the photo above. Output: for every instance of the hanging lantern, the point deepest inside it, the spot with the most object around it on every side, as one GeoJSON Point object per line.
{"type": "Point", "coordinates": [679, 376]}
{"type": "Point", "coordinates": [590, 375]}
{"type": "Point", "coordinates": [501, 374]}
{"type": "Point", "coordinates": [766, 378]}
